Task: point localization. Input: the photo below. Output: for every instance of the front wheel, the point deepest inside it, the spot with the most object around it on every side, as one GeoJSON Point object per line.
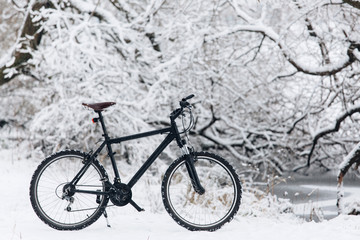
{"type": "Point", "coordinates": [208, 211]}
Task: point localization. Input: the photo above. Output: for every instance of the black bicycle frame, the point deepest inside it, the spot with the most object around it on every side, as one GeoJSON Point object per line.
{"type": "Point", "coordinates": [169, 138]}
{"type": "Point", "coordinates": [173, 133]}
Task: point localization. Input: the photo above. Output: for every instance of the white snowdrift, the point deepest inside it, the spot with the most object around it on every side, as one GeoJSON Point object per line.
{"type": "Point", "coordinates": [18, 220]}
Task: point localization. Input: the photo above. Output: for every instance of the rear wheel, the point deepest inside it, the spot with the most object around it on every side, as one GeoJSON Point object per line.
{"type": "Point", "coordinates": [72, 211]}
{"type": "Point", "coordinates": [208, 211]}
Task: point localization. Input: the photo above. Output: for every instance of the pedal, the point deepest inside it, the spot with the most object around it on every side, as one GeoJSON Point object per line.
{"type": "Point", "coordinates": [136, 206]}
{"type": "Point", "coordinates": [107, 220]}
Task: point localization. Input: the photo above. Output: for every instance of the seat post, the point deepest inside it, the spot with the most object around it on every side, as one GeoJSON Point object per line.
{"type": "Point", "coordinates": [103, 125]}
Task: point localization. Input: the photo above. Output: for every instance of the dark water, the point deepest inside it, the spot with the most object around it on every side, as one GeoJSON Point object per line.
{"type": "Point", "coordinates": [314, 197]}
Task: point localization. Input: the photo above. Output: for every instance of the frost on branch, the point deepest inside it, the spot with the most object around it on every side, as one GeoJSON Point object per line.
{"type": "Point", "coordinates": [15, 60]}
{"type": "Point", "coordinates": [267, 77]}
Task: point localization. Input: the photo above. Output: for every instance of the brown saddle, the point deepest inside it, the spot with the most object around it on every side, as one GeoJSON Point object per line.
{"type": "Point", "coordinates": [98, 107]}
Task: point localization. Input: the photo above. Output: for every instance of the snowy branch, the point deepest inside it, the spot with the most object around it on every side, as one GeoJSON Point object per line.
{"type": "Point", "coordinates": [335, 128]}
{"type": "Point", "coordinates": [263, 75]}
{"type": "Point", "coordinates": [255, 25]}
{"type": "Point", "coordinates": [14, 62]}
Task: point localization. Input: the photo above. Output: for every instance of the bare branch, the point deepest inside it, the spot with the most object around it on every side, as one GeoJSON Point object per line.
{"type": "Point", "coordinates": [213, 120]}
{"type": "Point", "coordinates": [336, 127]}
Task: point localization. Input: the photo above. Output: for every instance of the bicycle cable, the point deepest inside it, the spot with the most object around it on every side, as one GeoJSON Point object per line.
{"type": "Point", "coordinates": [186, 130]}
{"type": "Point", "coordinates": [191, 124]}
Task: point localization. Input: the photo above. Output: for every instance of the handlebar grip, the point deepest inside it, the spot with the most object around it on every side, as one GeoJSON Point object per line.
{"type": "Point", "coordinates": [188, 97]}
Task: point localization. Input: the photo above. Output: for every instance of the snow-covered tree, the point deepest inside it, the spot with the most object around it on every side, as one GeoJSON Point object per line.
{"type": "Point", "coordinates": [276, 82]}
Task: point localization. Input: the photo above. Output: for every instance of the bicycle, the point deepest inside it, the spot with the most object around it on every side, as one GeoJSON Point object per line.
{"type": "Point", "coordinates": [70, 189]}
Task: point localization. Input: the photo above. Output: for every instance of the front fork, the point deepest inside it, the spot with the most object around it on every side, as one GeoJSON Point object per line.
{"type": "Point", "coordinates": [189, 163]}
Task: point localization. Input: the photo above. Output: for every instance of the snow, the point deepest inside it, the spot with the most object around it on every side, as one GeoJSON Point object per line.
{"type": "Point", "coordinates": [18, 220]}
{"type": "Point", "coordinates": [350, 156]}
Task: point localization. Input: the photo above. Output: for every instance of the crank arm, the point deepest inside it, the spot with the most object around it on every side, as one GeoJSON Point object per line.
{"type": "Point", "coordinates": [136, 206]}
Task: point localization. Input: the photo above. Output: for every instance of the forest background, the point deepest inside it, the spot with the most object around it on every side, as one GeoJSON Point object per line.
{"type": "Point", "coordinates": [276, 82]}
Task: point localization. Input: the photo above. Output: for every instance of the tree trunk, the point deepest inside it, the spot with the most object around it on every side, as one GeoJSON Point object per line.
{"type": "Point", "coordinates": [355, 4]}
{"type": "Point", "coordinates": [349, 160]}
{"type": "Point", "coordinates": [29, 38]}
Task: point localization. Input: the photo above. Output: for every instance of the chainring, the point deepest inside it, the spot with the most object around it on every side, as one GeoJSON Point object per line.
{"type": "Point", "coordinates": [120, 194]}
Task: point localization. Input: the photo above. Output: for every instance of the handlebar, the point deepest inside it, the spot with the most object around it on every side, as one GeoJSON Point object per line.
{"type": "Point", "coordinates": [183, 103]}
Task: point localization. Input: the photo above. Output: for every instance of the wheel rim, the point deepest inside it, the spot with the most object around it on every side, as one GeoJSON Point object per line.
{"type": "Point", "coordinates": [211, 208]}
{"type": "Point", "coordinates": [49, 188]}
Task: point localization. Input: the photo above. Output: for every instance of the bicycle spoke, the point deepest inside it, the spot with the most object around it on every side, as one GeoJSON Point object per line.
{"type": "Point", "coordinates": [76, 210]}
{"type": "Point", "coordinates": [207, 211]}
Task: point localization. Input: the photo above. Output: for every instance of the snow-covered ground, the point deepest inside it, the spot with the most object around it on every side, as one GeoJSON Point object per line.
{"type": "Point", "coordinates": [18, 221]}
